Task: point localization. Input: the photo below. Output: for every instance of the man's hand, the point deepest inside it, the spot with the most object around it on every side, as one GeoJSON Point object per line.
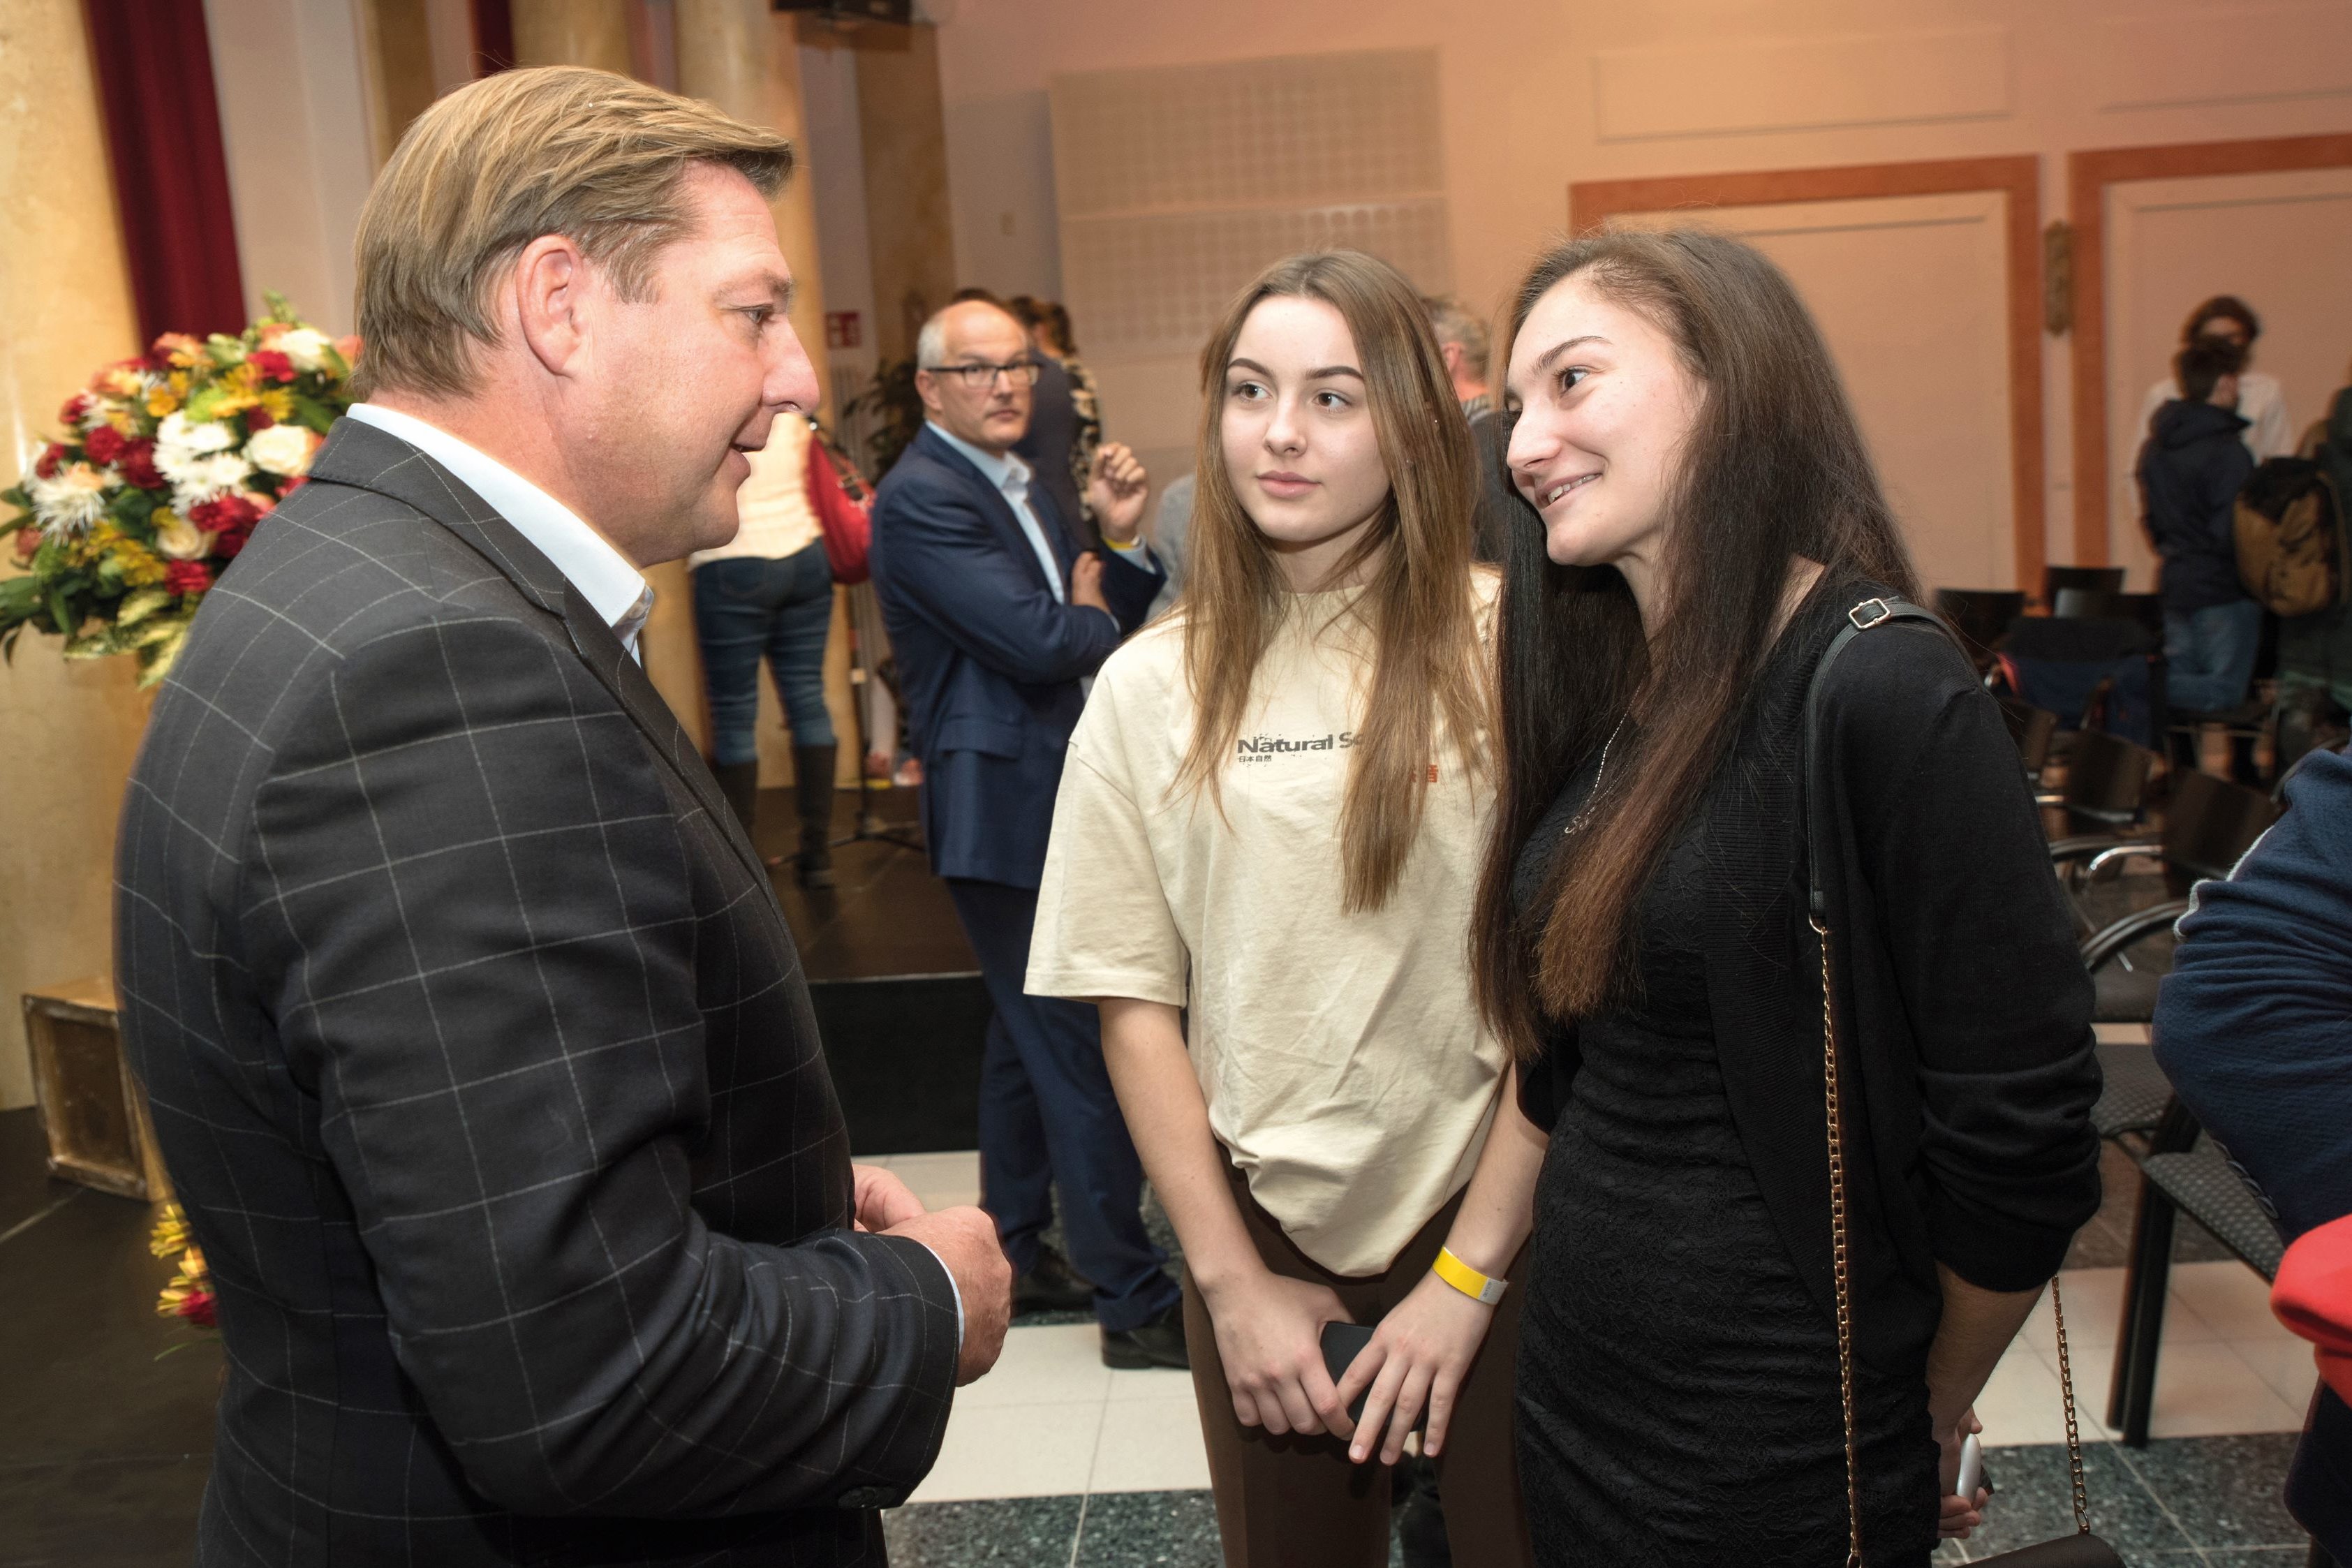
{"type": "Point", "coordinates": [965, 1240]}
{"type": "Point", "coordinates": [1085, 584]}
{"type": "Point", "coordinates": [883, 1199]}
{"type": "Point", "coordinates": [1115, 492]}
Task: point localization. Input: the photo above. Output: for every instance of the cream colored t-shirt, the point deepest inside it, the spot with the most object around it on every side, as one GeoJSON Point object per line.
{"type": "Point", "coordinates": [1344, 1065]}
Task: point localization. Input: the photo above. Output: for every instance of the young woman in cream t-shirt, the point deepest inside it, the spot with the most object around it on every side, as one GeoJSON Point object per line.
{"type": "Point", "coordinates": [1262, 869]}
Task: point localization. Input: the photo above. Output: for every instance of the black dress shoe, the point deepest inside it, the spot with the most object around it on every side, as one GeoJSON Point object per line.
{"type": "Point", "coordinates": [1160, 1342]}
{"type": "Point", "coordinates": [1051, 1285]}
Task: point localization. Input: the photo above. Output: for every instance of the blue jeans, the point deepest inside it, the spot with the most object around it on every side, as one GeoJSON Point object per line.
{"type": "Point", "coordinates": [2209, 655]}
{"type": "Point", "coordinates": [747, 606]}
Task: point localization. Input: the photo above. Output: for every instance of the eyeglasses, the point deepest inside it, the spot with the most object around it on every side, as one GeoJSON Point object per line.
{"type": "Point", "coordinates": [1019, 373]}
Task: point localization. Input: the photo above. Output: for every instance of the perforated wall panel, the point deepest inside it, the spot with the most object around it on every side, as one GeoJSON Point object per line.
{"type": "Point", "coordinates": [1177, 185]}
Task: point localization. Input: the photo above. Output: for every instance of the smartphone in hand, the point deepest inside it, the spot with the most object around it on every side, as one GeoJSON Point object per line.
{"type": "Point", "coordinates": [1342, 1343]}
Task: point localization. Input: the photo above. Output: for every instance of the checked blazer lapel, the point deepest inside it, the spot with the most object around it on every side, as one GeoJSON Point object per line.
{"type": "Point", "coordinates": [359, 455]}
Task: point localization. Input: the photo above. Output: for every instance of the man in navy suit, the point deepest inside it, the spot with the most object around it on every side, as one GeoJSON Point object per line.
{"type": "Point", "coordinates": [995, 619]}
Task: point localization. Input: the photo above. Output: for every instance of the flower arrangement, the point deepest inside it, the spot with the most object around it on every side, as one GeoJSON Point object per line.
{"type": "Point", "coordinates": [189, 1296]}
{"type": "Point", "coordinates": [167, 461]}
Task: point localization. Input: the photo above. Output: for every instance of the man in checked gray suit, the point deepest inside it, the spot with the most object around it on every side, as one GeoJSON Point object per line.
{"type": "Point", "coordinates": [479, 1052]}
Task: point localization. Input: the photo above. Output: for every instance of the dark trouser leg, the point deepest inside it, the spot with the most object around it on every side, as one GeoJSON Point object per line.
{"type": "Point", "coordinates": [1016, 1179]}
{"type": "Point", "coordinates": [1298, 1500]}
{"type": "Point", "coordinates": [1059, 1045]}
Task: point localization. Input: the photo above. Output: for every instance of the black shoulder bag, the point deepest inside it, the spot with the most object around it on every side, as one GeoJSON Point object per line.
{"type": "Point", "coordinates": [2082, 1549]}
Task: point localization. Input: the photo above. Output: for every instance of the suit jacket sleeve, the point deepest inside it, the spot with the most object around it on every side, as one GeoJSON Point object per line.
{"type": "Point", "coordinates": [471, 921]}
{"type": "Point", "coordinates": [2253, 1026]}
{"type": "Point", "coordinates": [1129, 585]}
{"type": "Point", "coordinates": [947, 557]}
{"type": "Point", "coordinates": [1983, 954]}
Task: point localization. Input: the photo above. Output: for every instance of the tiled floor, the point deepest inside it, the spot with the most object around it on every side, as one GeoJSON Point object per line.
{"type": "Point", "coordinates": [1054, 1460]}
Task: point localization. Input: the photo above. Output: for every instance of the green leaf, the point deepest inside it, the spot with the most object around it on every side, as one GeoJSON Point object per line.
{"type": "Point", "coordinates": [61, 612]}
{"type": "Point", "coordinates": [312, 413]}
{"type": "Point", "coordinates": [138, 606]}
{"type": "Point", "coordinates": [202, 403]}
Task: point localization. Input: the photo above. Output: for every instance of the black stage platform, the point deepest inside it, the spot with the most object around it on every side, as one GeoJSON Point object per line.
{"type": "Point", "coordinates": [897, 990]}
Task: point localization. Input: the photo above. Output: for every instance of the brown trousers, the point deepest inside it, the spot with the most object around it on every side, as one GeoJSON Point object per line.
{"type": "Point", "coordinates": [1296, 1501]}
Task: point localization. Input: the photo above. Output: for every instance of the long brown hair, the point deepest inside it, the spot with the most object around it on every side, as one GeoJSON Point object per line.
{"type": "Point", "coordinates": [1774, 470]}
{"type": "Point", "coordinates": [1426, 666]}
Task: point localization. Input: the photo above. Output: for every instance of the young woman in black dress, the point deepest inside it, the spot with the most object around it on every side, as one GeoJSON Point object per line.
{"type": "Point", "coordinates": [1706, 515]}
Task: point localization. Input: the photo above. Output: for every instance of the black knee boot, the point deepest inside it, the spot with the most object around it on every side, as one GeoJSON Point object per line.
{"type": "Point", "coordinates": [812, 785]}
{"type": "Point", "coordinates": [739, 782]}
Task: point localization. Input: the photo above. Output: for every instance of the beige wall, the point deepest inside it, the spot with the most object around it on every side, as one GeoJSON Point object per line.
{"type": "Point", "coordinates": [72, 729]}
{"type": "Point", "coordinates": [1535, 97]}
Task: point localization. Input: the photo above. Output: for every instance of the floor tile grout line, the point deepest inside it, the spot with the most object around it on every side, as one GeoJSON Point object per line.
{"type": "Point", "coordinates": [2123, 1457]}
{"type": "Point", "coordinates": [22, 1225]}
{"type": "Point", "coordinates": [1079, 1538]}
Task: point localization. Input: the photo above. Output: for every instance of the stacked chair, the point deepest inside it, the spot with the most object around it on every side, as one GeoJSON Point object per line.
{"type": "Point", "coordinates": [2208, 826]}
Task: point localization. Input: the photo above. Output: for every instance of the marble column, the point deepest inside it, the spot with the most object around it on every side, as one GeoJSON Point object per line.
{"type": "Point", "coordinates": [572, 33]}
{"type": "Point", "coordinates": [72, 729]}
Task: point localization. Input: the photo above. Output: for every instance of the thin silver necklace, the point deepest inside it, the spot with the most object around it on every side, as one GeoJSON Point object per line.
{"type": "Point", "coordinates": [1593, 801]}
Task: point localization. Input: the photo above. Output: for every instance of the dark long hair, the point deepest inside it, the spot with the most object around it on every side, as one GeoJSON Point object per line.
{"type": "Point", "coordinates": [1774, 470]}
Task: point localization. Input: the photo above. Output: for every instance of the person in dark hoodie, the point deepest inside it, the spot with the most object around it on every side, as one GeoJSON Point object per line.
{"type": "Point", "coordinates": [2190, 471]}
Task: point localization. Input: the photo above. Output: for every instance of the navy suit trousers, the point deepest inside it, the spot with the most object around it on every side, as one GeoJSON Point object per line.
{"type": "Point", "coordinates": [1048, 1118]}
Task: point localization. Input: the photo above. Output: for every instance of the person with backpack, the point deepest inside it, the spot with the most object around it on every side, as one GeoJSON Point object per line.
{"type": "Point", "coordinates": [2191, 471]}
{"type": "Point", "coordinates": [2314, 648]}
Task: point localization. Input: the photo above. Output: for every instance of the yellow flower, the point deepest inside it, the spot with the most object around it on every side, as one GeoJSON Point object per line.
{"type": "Point", "coordinates": [161, 402]}
{"type": "Point", "coordinates": [171, 1233]}
{"type": "Point", "coordinates": [140, 566]}
{"type": "Point", "coordinates": [278, 403]}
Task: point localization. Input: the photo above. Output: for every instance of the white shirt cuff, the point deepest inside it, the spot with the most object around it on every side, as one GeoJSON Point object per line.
{"type": "Point", "coordinates": [954, 1286]}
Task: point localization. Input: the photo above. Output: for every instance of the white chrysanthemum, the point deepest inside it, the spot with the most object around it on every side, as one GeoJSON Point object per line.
{"type": "Point", "coordinates": [201, 480]}
{"type": "Point", "coordinates": [180, 436]}
{"type": "Point", "coordinates": [307, 346]}
{"type": "Point", "coordinates": [177, 539]}
{"type": "Point", "coordinates": [281, 449]}
{"type": "Point", "coordinates": [69, 501]}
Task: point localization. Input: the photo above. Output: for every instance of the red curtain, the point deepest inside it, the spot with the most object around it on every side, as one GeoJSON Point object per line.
{"type": "Point", "coordinates": [494, 49]}
{"type": "Point", "coordinates": [171, 176]}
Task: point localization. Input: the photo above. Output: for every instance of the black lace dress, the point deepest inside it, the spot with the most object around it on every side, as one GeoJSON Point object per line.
{"type": "Point", "coordinates": [1678, 1385]}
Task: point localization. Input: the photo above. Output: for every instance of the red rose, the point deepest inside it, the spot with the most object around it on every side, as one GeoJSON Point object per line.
{"type": "Point", "coordinates": [104, 445]}
{"type": "Point", "coordinates": [28, 541]}
{"type": "Point", "coordinates": [186, 577]}
{"type": "Point", "coordinates": [139, 466]}
{"type": "Point", "coordinates": [201, 1308]}
{"type": "Point", "coordinates": [230, 543]}
{"type": "Point", "coordinates": [271, 366]}
{"type": "Point", "coordinates": [45, 466]}
{"type": "Point", "coordinates": [76, 410]}
{"type": "Point", "coordinates": [257, 420]}
{"type": "Point", "coordinates": [222, 516]}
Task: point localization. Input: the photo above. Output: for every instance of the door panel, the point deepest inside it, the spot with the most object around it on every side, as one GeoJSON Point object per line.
{"type": "Point", "coordinates": [1911, 293]}
{"type": "Point", "coordinates": [2277, 241]}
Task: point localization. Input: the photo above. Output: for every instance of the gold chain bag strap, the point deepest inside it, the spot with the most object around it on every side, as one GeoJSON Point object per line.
{"type": "Point", "coordinates": [2082, 1549]}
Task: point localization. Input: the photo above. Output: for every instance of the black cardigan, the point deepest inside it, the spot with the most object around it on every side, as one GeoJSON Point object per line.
{"type": "Point", "coordinates": [1964, 1008]}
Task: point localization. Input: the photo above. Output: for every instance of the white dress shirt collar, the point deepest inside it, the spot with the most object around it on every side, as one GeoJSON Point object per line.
{"type": "Point", "coordinates": [602, 576]}
{"type": "Point", "coordinates": [1003, 469]}
{"type": "Point", "coordinates": [1011, 474]}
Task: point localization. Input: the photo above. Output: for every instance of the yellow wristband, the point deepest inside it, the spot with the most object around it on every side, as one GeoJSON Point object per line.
{"type": "Point", "coordinates": [1466, 1279]}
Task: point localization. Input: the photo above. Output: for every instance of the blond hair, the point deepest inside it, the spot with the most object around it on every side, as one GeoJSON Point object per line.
{"type": "Point", "coordinates": [595, 157]}
{"type": "Point", "coordinates": [1428, 674]}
